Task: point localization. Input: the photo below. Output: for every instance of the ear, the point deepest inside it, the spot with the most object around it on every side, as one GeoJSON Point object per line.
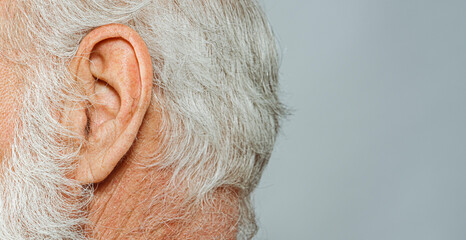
{"type": "Point", "coordinates": [114, 68]}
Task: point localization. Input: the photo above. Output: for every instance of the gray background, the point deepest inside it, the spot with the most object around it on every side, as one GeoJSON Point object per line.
{"type": "Point", "coordinates": [376, 146]}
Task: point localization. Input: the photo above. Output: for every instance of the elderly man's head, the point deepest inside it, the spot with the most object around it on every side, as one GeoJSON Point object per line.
{"type": "Point", "coordinates": [134, 119]}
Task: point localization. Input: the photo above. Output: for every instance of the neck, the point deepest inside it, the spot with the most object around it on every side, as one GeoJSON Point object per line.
{"type": "Point", "coordinates": [123, 203]}
{"type": "Point", "coordinates": [136, 203]}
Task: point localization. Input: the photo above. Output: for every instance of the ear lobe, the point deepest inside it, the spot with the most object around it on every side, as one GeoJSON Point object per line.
{"type": "Point", "coordinates": [114, 67]}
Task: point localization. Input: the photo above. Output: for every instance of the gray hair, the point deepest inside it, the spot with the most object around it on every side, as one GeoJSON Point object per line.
{"type": "Point", "coordinates": [216, 76]}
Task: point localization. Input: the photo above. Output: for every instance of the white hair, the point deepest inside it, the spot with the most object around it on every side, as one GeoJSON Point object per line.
{"type": "Point", "coordinates": [215, 77]}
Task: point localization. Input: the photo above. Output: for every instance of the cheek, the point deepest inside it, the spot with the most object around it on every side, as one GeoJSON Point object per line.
{"type": "Point", "coordinates": [8, 105]}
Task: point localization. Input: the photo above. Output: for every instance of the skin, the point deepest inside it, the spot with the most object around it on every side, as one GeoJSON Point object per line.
{"type": "Point", "coordinates": [124, 127]}
{"type": "Point", "coordinates": [8, 99]}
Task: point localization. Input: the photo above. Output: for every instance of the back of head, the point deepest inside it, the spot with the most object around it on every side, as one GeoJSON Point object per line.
{"type": "Point", "coordinates": [216, 71]}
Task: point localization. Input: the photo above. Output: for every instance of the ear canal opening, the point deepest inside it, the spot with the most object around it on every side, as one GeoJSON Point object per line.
{"type": "Point", "coordinates": [87, 128]}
